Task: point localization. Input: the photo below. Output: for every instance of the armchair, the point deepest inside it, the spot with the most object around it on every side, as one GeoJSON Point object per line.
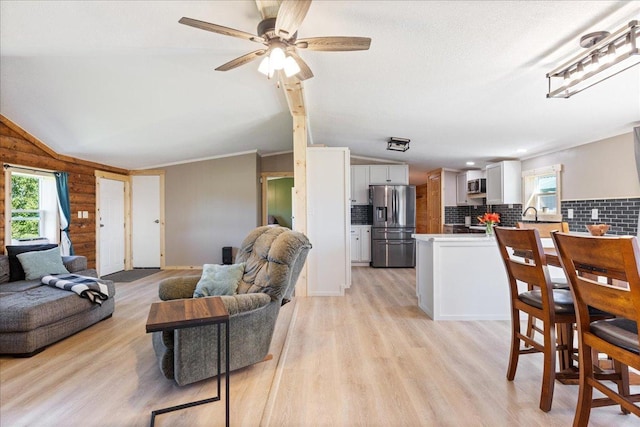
{"type": "Point", "coordinates": [273, 258]}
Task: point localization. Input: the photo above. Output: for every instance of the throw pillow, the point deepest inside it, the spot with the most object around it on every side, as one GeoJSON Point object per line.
{"type": "Point", "coordinates": [16, 271]}
{"type": "Point", "coordinates": [41, 263]}
{"type": "Point", "coordinates": [219, 280]}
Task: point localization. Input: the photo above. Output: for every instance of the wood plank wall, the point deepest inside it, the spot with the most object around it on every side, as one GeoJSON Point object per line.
{"type": "Point", "coordinates": [19, 148]}
{"type": "Point", "coordinates": [421, 209]}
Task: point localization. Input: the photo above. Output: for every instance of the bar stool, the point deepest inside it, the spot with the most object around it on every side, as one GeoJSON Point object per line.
{"type": "Point", "coordinates": [551, 306]}
{"type": "Point", "coordinates": [587, 259]}
{"type": "Point", "coordinates": [545, 229]}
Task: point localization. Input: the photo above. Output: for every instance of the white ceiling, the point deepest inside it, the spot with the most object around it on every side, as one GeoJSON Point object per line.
{"type": "Point", "coordinates": [122, 83]}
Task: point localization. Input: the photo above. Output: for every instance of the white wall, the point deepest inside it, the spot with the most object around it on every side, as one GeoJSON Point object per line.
{"type": "Point", "coordinates": [603, 169]}
{"type": "Point", "coordinates": [328, 221]}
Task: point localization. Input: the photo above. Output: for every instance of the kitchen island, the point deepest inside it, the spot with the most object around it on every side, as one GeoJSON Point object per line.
{"type": "Point", "coordinates": [461, 277]}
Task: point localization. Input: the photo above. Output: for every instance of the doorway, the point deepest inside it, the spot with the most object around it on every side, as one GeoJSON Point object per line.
{"type": "Point", "coordinates": [277, 199]}
{"type": "Point", "coordinates": [147, 219]}
{"type": "Point", "coordinates": [111, 225]}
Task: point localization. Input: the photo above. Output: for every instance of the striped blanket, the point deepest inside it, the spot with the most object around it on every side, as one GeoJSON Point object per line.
{"type": "Point", "coordinates": [84, 286]}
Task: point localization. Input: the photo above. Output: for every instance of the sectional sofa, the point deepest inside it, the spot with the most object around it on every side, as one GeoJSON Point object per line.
{"type": "Point", "coordinates": [33, 316]}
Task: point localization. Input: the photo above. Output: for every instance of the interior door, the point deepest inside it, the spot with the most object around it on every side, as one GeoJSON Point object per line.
{"type": "Point", "coordinates": [145, 221]}
{"type": "Point", "coordinates": [111, 234]}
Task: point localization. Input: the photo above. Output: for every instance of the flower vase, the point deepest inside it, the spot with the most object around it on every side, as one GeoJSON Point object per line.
{"type": "Point", "coordinates": [489, 229]}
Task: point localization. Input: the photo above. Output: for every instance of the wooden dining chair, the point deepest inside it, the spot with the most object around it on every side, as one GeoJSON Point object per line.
{"type": "Point", "coordinates": [591, 263]}
{"type": "Point", "coordinates": [551, 306]}
{"type": "Point", "coordinates": [545, 229]}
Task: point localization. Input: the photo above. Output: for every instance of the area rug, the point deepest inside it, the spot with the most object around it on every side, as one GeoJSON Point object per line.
{"type": "Point", "coordinates": [131, 275]}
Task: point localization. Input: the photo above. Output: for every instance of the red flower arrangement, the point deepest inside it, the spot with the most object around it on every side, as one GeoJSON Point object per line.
{"type": "Point", "coordinates": [489, 218]}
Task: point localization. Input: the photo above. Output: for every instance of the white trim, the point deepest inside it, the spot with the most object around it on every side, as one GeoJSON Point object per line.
{"type": "Point", "coordinates": [601, 198]}
{"type": "Point", "coordinates": [200, 159]}
{"type": "Point", "coordinates": [28, 171]}
{"type": "Point", "coordinates": [374, 159]}
{"type": "Point", "coordinates": [543, 170]}
{"type": "Point", "coordinates": [277, 153]}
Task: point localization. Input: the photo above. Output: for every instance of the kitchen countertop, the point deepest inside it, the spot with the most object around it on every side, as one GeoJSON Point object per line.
{"type": "Point", "coordinates": [470, 237]}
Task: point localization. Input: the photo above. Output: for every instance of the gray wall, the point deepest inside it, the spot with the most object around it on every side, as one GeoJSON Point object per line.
{"type": "Point", "coordinates": [603, 169]}
{"type": "Point", "coordinates": [208, 205]}
{"type": "Point", "coordinates": [277, 163]}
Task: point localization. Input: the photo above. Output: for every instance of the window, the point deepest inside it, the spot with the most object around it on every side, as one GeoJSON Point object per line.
{"type": "Point", "coordinates": [541, 190]}
{"type": "Point", "coordinates": [33, 207]}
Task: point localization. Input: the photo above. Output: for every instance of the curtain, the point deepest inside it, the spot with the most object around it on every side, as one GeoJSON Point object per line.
{"type": "Point", "coordinates": [62, 186]}
{"type": "Point", "coordinates": [636, 144]}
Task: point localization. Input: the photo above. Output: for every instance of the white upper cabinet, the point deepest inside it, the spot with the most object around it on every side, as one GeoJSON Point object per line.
{"type": "Point", "coordinates": [450, 188]}
{"type": "Point", "coordinates": [504, 183]}
{"type": "Point", "coordinates": [388, 174]}
{"type": "Point", "coordinates": [360, 185]}
{"type": "Point", "coordinates": [364, 175]}
{"type": "Point", "coordinates": [462, 197]}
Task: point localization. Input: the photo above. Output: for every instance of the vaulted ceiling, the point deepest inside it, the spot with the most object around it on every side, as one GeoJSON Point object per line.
{"type": "Point", "coordinates": [122, 83]}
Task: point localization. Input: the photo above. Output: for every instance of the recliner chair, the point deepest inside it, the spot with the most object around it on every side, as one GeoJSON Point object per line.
{"type": "Point", "coordinates": [273, 257]}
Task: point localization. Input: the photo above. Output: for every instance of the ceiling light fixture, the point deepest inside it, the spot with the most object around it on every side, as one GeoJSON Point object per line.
{"type": "Point", "coordinates": [398, 144]}
{"type": "Point", "coordinates": [470, 163]}
{"type": "Point", "coordinates": [277, 59]}
{"type": "Point", "coordinates": [606, 55]}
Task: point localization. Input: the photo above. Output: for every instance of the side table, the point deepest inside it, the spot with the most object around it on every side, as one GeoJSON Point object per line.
{"type": "Point", "coordinates": [189, 313]}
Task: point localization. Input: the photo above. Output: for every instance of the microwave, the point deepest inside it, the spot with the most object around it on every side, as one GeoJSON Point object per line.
{"type": "Point", "coordinates": [476, 186]}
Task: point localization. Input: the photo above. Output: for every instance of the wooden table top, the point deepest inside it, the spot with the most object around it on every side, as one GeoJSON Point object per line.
{"type": "Point", "coordinates": [186, 313]}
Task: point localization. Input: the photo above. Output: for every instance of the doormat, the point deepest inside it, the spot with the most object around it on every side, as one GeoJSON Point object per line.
{"type": "Point", "coordinates": [131, 275]}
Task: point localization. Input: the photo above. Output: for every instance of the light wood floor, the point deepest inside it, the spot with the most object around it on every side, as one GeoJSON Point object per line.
{"type": "Point", "coordinates": [371, 358]}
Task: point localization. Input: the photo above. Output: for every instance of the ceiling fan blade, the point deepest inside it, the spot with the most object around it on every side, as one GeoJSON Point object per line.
{"type": "Point", "coordinates": [305, 72]}
{"type": "Point", "coordinates": [334, 44]}
{"type": "Point", "coordinates": [244, 59]}
{"type": "Point", "coordinates": [290, 16]}
{"type": "Point", "coordinates": [220, 29]}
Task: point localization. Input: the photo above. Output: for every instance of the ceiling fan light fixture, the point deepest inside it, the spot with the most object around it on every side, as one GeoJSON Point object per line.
{"type": "Point", "coordinates": [277, 58]}
{"type": "Point", "coordinates": [265, 68]}
{"type": "Point", "coordinates": [291, 66]}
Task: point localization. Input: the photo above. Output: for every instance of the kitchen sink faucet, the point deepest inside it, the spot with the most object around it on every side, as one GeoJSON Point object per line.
{"type": "Point", "coordinates": [534, 210]}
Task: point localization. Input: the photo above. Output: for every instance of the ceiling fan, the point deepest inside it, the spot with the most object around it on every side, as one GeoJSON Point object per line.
{"type": "Point", "coordinates": [279, 35]}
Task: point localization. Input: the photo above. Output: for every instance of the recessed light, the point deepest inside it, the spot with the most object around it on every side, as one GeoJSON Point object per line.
{"type": "Point", "coordinates": [471, 163]}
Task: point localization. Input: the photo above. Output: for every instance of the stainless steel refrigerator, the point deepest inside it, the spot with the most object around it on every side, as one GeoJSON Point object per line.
{"type": "Point", "coordinates": [394, 220]}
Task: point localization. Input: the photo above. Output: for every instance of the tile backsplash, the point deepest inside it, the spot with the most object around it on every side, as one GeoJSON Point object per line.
{"type": "Point", "coordinates": [361, 214]}
{"type": "Point", "coordinates": [620, 214]}
{"type": "Point", "coordinates": [508, 215]}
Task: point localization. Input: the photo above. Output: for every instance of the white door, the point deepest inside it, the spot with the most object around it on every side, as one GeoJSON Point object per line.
{"type": "Point", "coordinates": [111, 234]}
{"type": "Point", "coordinates": [145, 221]}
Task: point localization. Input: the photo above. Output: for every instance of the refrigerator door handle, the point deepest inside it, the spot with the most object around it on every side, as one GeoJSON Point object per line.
{"type": "Point", "coordinates": [394, 206]}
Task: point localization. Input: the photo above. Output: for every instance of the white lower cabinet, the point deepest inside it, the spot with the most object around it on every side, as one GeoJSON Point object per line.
{"type": "Point", "coordinates": [360, 244]}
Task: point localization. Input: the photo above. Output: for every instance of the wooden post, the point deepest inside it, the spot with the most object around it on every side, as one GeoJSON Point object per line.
{"type": "Point", "coordinates": [300, 189]}
{"type": "Point", "coordinates": [294, 93]}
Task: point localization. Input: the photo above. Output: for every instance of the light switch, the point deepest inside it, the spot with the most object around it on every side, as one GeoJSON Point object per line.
{"type": "Point", "coordinates": [79, 214]}
{"type": "Point", "coordinates": [85, 214]}
{"type": "Point", "coordinates": [570, 213]}
{"type": "Point", "coordinates": [594, 213]}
